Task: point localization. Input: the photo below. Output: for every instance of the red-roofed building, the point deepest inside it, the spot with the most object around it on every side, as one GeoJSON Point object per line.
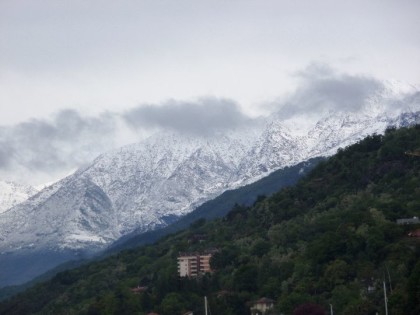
{"type": "Point", "coordinates": [415, 233]}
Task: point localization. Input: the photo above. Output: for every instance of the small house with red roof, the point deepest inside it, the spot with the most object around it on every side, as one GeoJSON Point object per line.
{"type": "Point", "coordinates": [415, 233]}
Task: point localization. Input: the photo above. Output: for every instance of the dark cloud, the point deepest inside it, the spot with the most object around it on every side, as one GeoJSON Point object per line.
{"type": "Point", "coordinates": [70, 139]}
{"type": "Point", "coordinates": [65, 142]}
{"type": "Point", "coordinates": [323, 89]}
{"type": "Point", "coordinates": [204, 117]}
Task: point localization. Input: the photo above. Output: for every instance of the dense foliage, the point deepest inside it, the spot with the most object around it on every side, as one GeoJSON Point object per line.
{"type": "Point", "coordinates": [215, 208]}
{"type": "Point", "coordinates": [330, 239]}
{"type": "Point", "coordinates": [221, 205]}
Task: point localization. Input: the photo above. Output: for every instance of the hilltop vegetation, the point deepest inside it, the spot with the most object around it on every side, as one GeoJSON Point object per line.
{"type": "Point", "coordinates": [330, 239]}
{"type": "Point", "coordinates": [221, 205]}
{"type": "Point", "coordinates": [215, 208]}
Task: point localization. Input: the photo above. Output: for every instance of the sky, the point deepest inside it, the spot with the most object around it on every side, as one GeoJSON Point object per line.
{"type": "Point", "coordinates": [72, 71]}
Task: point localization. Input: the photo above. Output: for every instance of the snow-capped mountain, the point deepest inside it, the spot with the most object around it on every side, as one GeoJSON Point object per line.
{"type": "Point", "coordinates": [146, 185]}
{"type": "Point", "coordinates": [138, 186]}
{"type": "Point", "coordinates": [12, 194]}
{"type": "Point", "coordinates": [149, 184]}
{"type": "Point", "coordinates": [275, 148]}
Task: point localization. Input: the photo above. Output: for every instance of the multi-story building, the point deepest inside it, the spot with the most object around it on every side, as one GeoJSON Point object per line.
{"type": "Point", "coordinates": [262, 306]}
{"type": "Point", "coordinates": [193, 264]}
{"type": "Point", "coordinates": [413, 220]}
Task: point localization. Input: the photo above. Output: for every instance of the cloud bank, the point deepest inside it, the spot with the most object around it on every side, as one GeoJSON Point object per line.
{"type": "Point", "coordinates": [38, 150]}
{"type": "Point", "coordinates": [322, 89]}
{"type": "Point", "coordinates": [203, 117]}
{"type": "Point", "coordinates": [53, 146]}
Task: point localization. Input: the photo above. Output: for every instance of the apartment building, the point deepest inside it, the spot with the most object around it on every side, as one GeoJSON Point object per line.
{"type": "Point", "coordinates": [193, 264]}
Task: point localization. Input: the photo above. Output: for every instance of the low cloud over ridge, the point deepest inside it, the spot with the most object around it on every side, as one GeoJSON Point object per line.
{"type": "Point", "coordinates": [322, 89]}
{"type": "Point", "coordinates": [203, 117]}
{"type": "Point", "coordinates": [41, 150]}
{"type": "Point", "coordinates": [57, 145]}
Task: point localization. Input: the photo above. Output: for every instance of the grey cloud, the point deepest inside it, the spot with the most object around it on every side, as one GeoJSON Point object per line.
{"type": "Point", "coordinates": [6, 153]}
{"type": "Point", "coordinates": [203, 117]}
{"type": "Point", "coordinates": [65, 142]}
{"type": "Point", "coordinates": [51, 148]}
{"type": "Point", "coordinates": [323, 89]}
{"type": "Point", "coordinates": [71, 139]}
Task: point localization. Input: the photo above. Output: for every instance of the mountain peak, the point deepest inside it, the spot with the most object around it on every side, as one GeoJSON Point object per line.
{"type": "Point", "coordinates": [147, 185]}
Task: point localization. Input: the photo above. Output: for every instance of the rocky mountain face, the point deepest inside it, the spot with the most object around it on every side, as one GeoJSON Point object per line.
{"type": "Point", "coordinates": [12, 194]}
{"type": "Point", "coordinates": [148, 185]}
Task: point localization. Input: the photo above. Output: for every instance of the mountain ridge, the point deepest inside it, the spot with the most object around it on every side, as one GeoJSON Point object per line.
{"type": "Point", "coordinates": [188, 171]}
{"type": "Point", "coordinates": [121, 191]}
{"type": "Point", "coordinates": [329, 240]}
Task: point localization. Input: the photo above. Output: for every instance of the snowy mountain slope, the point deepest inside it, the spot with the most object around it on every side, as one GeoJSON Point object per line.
{"type": "Point", "coordinates": [342, 129]}
{"type": "Point", "coordinates": [139, 186]}
{"type": "Point", "coordinates": [275, 148]}
{"type": "Point", "coordinates": [150, 184]}
{"type": "Point", "coordinates": [147, 185]}
{"type": "Point", "coordinates": [12, 194]}
{"type": "Point", "coordinates": [182, 169]}
{"type": "Point", "coordinates": [75, 211]}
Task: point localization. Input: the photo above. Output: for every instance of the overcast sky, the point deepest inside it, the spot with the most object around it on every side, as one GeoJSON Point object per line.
{"type": "Point", "coordinates": [99, 64]}
{"type": "Point", "coordinates": [96, 55]}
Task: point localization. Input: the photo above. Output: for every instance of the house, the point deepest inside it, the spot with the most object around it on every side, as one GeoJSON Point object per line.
{"type": "Point", "coordinates": [413, 220]}
{"type": "Point", "coordinates": [262, 306]}
{"type": "Point", "coordinates": [138, 289]}
{"type": "Point", "coordinates": [188, 313]}
{"type": "Point", "coordinates": [197, 238]}
{"type": "Point", "coordinates": [223, 293]}
{"type": "Point", "coordinates": [371, 289]}
{"type": "Point", "coordinates": [194, 264]}
{"type": "Point", "coordinates": [415, 233]}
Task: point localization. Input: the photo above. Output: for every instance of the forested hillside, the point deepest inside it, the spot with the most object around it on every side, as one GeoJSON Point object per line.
{"type": "Point", "coordinates": [330, 239]}
{"type": "Point", "coordinates": [221, 205]}
{"type": "Point", "coordinates": [211, 209]}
